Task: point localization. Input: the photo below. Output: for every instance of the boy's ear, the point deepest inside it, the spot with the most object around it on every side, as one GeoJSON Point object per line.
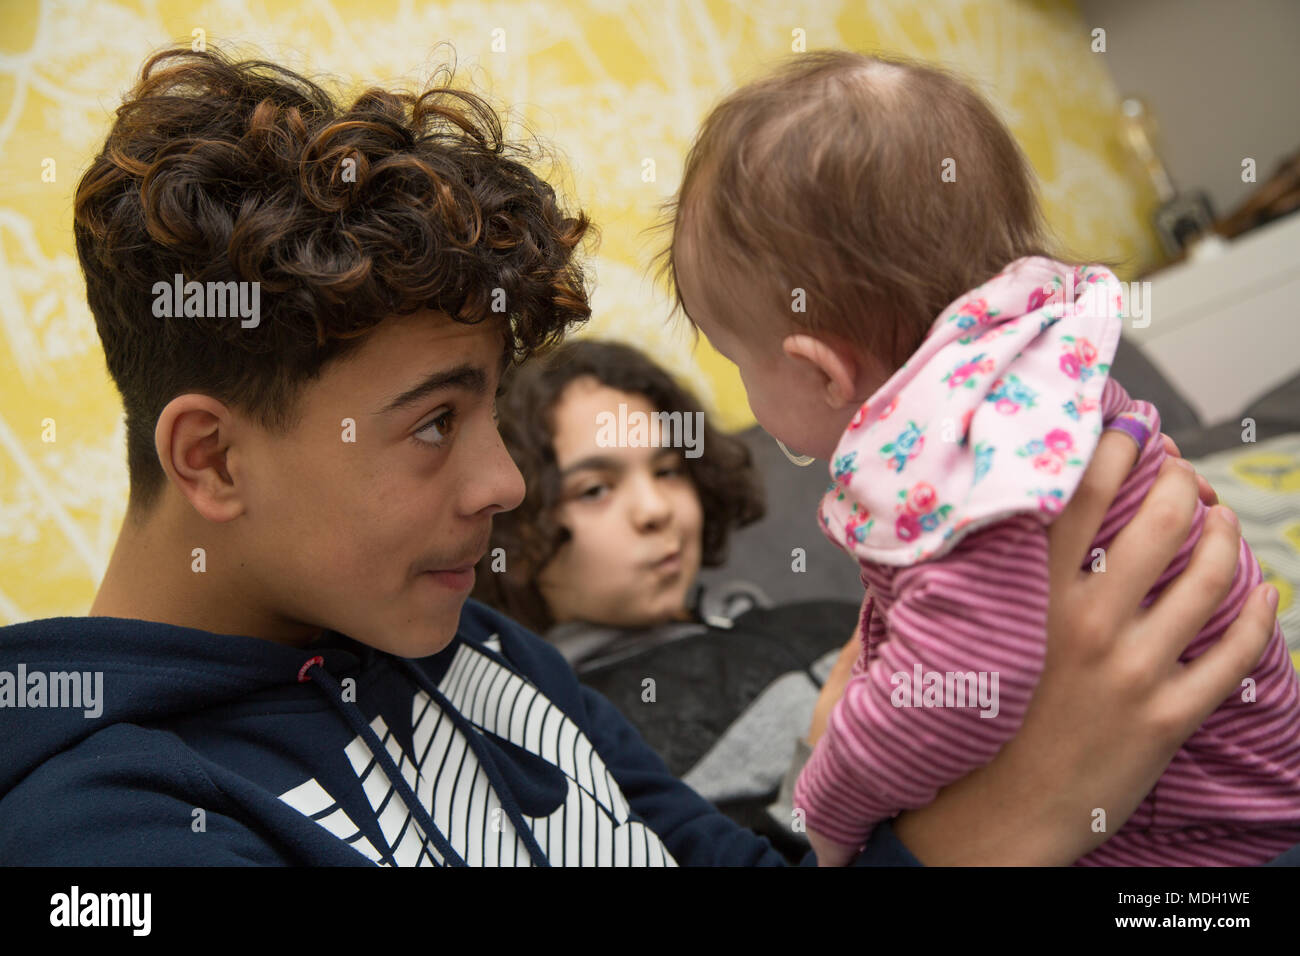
{"type": "Point", "coordinates": [192, 439]}
{"type": "Point", "coordinates": [843, 373]}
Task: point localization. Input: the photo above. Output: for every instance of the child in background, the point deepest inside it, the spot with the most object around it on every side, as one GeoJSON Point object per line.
{"type": "Point", "coordinates": [860, 237]}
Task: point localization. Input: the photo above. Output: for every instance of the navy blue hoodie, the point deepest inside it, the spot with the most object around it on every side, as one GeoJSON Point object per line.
{"type": "Point", "coordinates": [207, 749]}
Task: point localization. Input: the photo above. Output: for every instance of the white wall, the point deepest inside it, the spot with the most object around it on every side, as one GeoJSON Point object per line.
{"type": "Point", "coordinates": [1221, 76]}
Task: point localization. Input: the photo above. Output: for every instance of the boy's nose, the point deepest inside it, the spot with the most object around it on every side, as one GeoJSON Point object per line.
{"type": "Point", "coordinates": [495, 481]}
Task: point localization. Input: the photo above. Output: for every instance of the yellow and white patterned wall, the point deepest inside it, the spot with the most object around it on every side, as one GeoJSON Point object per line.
{"type": "Point", "coordinates": [609, 84]}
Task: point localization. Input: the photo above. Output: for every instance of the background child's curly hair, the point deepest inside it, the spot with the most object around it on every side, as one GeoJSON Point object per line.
{"type": "Point", "coordinates": [724, 475]}
{"type": "Point", "coordinates": [221, 170]}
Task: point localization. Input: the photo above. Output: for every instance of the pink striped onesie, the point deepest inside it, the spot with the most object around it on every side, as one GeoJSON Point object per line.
{"type": "Point", "coordinates": [943, 487]}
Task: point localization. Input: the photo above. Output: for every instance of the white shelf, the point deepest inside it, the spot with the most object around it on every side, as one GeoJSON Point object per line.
{"type": "Point", "coordinates": [1226, 329]}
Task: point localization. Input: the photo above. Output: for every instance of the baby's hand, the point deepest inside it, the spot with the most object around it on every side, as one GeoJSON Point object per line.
{"type": "Point", "coordinates": [828, 853]}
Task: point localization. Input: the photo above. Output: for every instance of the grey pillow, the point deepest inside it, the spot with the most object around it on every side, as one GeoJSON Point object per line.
{"type": "Point", "coordinates": [1143, 381]}
{"type": "Point", "coordinates": [1276, 413]}
{"type": "Point", "coordinates": [762, 553]}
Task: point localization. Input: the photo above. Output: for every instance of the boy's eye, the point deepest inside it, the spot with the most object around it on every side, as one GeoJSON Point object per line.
{"type": "Point", "coordinates": [438, 429]}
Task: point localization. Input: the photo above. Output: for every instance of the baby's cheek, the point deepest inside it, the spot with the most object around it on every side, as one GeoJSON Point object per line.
{"type": "Point", "coordinates": [766, 394]}
{"type": "Point", "coordinates": [770, 424]}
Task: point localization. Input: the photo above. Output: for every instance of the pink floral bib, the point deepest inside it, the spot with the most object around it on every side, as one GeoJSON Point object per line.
{"type": "Point", "coordinates": [996, 414]}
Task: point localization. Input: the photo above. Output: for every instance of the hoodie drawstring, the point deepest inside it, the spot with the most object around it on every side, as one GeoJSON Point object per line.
{"type": "Point", "coordinates": [486, 761]}
{"type": "Point", "coordinates": [314, 670]}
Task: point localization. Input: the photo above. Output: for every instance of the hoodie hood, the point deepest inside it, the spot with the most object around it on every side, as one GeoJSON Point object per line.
{"type": "Point", "coordinates": [145, 672]}
{"type": "Point", "coordinates": [63, 680]}
{"type": "Point", "coordinates": [1008, 383]}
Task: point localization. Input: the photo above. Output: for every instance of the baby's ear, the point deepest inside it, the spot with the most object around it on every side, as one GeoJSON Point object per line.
{"type": "Point", "coordinates": [836, 364]}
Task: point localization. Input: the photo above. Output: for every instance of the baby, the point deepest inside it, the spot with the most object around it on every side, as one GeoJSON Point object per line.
{"type": "Point", "coordinates": [861, 238]}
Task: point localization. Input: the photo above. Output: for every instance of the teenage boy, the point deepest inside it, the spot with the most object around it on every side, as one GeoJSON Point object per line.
{"type": "Point", "coordinates": [307, 309]}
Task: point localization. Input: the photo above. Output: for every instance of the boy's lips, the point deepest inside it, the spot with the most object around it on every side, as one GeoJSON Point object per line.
{"type": "Point", "coordinates": [460, 579]}
{"type": "Point", "coordinates": [465, 562]}
{"type": "Point", "coordinates": [461, 576]}
{"type": "Point", "coordinates": [467, 566]}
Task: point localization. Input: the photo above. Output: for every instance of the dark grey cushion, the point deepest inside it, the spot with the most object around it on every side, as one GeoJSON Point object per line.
{"type": "Point", "coordinates": [762, 552]}
{"type": "Point", "coordinates": [1143, 381]}
{"type": "Point", "coordinates": [1276, 413]}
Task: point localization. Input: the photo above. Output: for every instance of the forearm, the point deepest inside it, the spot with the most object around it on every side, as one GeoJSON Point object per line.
{"type": "Point", "coordinates": [997, 815]}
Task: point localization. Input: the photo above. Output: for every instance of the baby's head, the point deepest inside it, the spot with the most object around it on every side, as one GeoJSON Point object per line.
{"type": "Point", "coordinates": [827, 215]}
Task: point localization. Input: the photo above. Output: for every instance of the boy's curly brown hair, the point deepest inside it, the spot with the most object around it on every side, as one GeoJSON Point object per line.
{"type": "Point", "coordinates": [221, 170]}
{"type": "Point", "coordinates": [724, 475]}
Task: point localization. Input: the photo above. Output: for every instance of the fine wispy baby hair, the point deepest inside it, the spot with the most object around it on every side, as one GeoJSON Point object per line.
{"type": "Point", "coordinates": [880, 187]}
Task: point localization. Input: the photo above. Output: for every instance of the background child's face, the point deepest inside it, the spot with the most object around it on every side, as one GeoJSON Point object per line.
{"type": "Point", "coordinates": [341, 534]}
{"type": "Point", "coordinates": [633, 513]}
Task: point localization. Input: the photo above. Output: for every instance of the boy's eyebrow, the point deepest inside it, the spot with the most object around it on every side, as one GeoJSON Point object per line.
{"type": "Point", "coordinates": [469, 377]}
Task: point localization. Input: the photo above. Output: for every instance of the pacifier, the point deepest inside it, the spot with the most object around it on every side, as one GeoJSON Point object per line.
{"type": "Point", "coordinates": [803, 461]}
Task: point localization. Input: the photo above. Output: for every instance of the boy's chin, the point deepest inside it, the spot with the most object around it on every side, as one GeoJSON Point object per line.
{"type": "Point", "coordinates": [414, 636]}
{"type": "Point", "coordinates": [431, 639]}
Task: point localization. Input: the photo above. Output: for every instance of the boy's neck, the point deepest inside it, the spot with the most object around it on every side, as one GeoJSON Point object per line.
{"type": "Point", "coordinates": [151, 577]}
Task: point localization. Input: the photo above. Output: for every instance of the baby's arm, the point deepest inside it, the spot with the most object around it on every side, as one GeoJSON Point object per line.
{"type": "Point", "coordinates": [982, 608]}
